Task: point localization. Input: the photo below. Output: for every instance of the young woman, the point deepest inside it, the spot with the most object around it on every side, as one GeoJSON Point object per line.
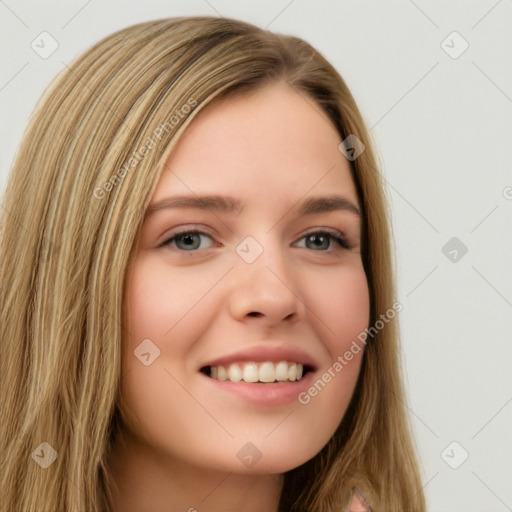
{"type": "Point", "coordinates": [197, 302]}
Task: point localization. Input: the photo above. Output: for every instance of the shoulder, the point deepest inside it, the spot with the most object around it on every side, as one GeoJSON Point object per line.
{"type": "Point", "coordinates": [357, 502]}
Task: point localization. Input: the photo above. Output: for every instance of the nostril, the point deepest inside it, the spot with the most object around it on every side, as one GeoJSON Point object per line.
{"type": "Point", "coordinates": [255, 313]}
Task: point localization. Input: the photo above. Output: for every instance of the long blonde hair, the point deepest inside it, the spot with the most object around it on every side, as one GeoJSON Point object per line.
{"type": "Point", "coordinates": [72, 209]}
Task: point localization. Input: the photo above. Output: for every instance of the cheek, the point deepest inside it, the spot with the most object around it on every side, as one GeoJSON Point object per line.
{"type": "Point", "coordinates": [155, 405]}
{"type": "Point", "coordinates": [345, 308]}
{"type": "Point", "coordinates": [160, 301]}
{"type": "Point", "coordinates": [344, 314]}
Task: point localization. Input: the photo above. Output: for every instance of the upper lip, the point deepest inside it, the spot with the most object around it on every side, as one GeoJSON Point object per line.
{"type": "Point", "coordinates": [262, 353]}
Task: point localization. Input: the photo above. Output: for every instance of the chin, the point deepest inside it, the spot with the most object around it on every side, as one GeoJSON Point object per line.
{"type": "Point", "coordinates": [266, 458]}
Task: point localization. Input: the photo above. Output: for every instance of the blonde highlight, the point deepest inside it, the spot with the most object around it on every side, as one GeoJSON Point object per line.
{"type": "Point", "coordinates": [61, 303]}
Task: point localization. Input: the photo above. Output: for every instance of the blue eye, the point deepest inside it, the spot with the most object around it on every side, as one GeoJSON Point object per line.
{"type": "Point", "coordinates": [187, 240]}
{"type": "Point", "coordinates": [190, 240]}
{"type": "Point", "coordinates": [322, 240]}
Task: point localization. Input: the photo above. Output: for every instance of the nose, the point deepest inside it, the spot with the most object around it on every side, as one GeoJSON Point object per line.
{"type": "Point", "coordinates": [266, 290]}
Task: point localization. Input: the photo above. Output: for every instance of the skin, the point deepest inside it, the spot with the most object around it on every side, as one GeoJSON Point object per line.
{"type": "Point", "coordinates": [271, 150]}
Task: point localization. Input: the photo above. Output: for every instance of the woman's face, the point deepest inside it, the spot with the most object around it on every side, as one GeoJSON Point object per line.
{"type": "Point", "coordinates": [261, 292]}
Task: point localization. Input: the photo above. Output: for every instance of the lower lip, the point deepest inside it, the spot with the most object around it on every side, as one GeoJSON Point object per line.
{"type": "Point", "coordinates": [265, 394]}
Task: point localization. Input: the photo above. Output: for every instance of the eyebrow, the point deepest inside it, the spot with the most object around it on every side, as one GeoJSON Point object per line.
{"type": "Point", "coordinates": [227, 204]}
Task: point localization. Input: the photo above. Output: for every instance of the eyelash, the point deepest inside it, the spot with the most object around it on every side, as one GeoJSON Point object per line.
{"type": "Point", "coordinates": [338, 239]}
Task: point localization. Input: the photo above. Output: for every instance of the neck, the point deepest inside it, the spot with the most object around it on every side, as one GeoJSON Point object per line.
{"type": "Point", "coordinates": [143, 481]}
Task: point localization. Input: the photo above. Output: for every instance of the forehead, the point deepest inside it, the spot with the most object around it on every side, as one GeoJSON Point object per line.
{"type": "Point", "coordinates": [274, 144]}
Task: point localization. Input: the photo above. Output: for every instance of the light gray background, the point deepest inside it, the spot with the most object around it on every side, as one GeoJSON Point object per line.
{"type": "Point", "coordinates": [443, 129]}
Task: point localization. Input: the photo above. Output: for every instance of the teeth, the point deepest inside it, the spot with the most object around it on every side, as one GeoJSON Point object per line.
{"type": "Point", "coordinates": [259, 372]}
{"type": "Point", "coordinates": [222, 374]}
{"type": "Point", "coordinates": [251, 373]}
{"type": "Point", "coordinates": [282, 371]}
{"type": "Point", "coordinates": [234, 373]}
{"type": "Point", "coordinates": [267, 372]}
{"type": "Point", "coordinates": [292, 372]}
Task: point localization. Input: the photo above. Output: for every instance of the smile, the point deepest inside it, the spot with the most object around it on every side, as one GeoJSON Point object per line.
{"type": "Point", "coordinates": [266, 372]}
